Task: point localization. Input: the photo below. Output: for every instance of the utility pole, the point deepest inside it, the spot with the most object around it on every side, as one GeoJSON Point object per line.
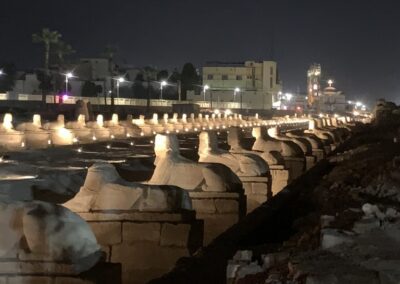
{"type": "Point", "coordinates": [179, 90]}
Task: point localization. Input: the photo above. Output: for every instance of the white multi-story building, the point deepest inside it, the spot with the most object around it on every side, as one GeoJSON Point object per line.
{"type": "Point", "coordinates": [254, 83]}
{"type": "Point", "coordinates": [332, 100]}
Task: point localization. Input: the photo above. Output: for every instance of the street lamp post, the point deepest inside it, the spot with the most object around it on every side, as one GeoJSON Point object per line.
{"type": "Point", "coordinates": [162, 84]}
{"type": "Point", "coordinates": [237, 90]}
{"type": "Point", "coordinates": [205, 88]}
{"type": "Point", "coordinates": [119, 80]}
{"type": "Point", "coordinates": [67, 76]}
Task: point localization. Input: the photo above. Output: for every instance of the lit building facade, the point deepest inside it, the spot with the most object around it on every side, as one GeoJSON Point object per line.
{"type": "Point", "coordinates": [314, 84]}
{"type": "Point", "coordinates": [254, 83]}
{"type": "Point", "coordinates": [332, 100]}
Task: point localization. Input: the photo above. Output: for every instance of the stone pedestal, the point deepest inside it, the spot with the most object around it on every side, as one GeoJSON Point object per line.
{"type": "Point", "coordinates": [147, 130]}
{"type": "Point", "coordinates": [296, 167]}
{"type": "Point", "coordinates": [219, 210]}
{"type": "Point", "coordinates": [12, 140]}
{"type": "Point", "coordinates": [328, 149]}
{"type": "Point", "coordinates": [25, 271]}
{"type": "Point", "coordinates": [61, 137]}
{"type": "Point", "coordinates": [159, 128]}
{"type": "Point", "coordinates": [101, 134]}
{"type": "Point", "coordinates": [84, 135]}
{"type": "Point", "coordinates": [280, 178]}
{"type": "Point", "coordinates": [37, 139]}
{"type": "Point", "coordinates": [147, 244]}
{"type": "Point", "coordinates": [257, 191]}
{"type": "Point", "coordinates": [310, 162]}
{"type": "Point", "coordinates": [318, 154]}
{"type": "Point", "coordinates": [118, 132]}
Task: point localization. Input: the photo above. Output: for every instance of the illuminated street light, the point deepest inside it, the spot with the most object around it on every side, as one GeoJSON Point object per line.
{"type": "Point", "coordinates": [205, 88]}
{"type": "Point", "coordinates": [330, 82]}
{"type": "Point", "coordinates": [119, 81]}
{"type": "Point", "coordinates": [289, 96]}
{"type": "Point", "coordinates": [162, 84]}
{"type": "Point", "coordinates": [1, 72]}
{"type": "Point", "coordinates": [237, 90]}
{"type": "Point", "coordinates": [68, 76]}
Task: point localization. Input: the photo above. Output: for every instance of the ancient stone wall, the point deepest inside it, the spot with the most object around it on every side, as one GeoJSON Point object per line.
{"type": "Point", "coordinates": [147, 244]}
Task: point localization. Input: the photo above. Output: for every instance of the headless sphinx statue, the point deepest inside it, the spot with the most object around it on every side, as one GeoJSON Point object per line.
{"type": "Point", "coordinates": [35, 125]}
{"type": "Point", "coordinates": [266, 143]}
{"type": "Point", "coordinates": [173, 169]}
{"type": "Point", "coordinates": [236, 142]}
{"type": "Point", "coordinates": [326, 136]}
{"type": "Point", "coordinates": [242, 164]}
{"type": "Point", "coordinates": [303, 143]}
{"type": "Point", "coordinates": [104, 189]}
{"type": "Point", "coordinates": [47, 231]}
{"type": "Point", "coordinates": [60, 123]}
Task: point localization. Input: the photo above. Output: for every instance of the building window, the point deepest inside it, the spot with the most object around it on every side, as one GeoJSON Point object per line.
{"type": "Point", "coordinates": [239, 77]}
{"type": "Point", "coordinates": [224, 77]}
{"type": "Point", "coordinates": [271, 70]}
{"type": "Point", "coordinates": [271, 82]}
{"type": "Point", "coordinates": [210, 77]}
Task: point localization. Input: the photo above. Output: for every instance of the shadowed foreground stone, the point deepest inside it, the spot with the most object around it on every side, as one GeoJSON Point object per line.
{"type": "Point", "coordinates": [208, 265]}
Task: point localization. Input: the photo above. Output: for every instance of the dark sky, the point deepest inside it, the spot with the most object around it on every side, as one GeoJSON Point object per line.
{"type": "Point", "coordinates": [357, 42]}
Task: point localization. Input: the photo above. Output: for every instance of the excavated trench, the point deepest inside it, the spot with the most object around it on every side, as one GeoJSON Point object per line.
{"type": "Point", "coordinates": [263, 230]}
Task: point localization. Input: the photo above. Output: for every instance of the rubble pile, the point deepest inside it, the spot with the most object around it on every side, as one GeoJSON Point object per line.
{"type": "Point", "coordinates": [351, 232]}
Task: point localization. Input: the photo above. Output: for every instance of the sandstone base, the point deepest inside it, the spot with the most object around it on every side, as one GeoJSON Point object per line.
{"type": "Point", "coordinates": [296, 167]}
{"type": "Point", "coordinates": [257, 191]}
{"type": "Point", "coordinates": [45, 272]}
{"type": "Point", "coordinates": [37, 139]}
{"type": "Point", "coordinates": [84, 135]}
{"type": "Point", "coordinates": [219, 210]}
{"type": "Point", "coordinates": [310, 162]}
{"type": "Point", "coordinates": [11, 141]}
{"type": "Point", "coordinates": [146, 244]}
{"type": "Point", "coordinates": [280, 178]}
{"type": "Point", "coordinates": [319, 154]}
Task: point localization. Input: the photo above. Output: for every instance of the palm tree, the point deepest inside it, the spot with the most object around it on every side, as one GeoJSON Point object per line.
{"type": "Point", "coordinates": [47, 37]}
{"type": "Point", "coordinates": [149, 73]}
{"type": "Point", "coordinates": [109, 53]}
{"type": "Point", "coordinates": [62, 49]}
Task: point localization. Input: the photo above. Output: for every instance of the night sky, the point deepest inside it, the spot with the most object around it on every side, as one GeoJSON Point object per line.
{"type": "Point", "coordinates": [357, 42]}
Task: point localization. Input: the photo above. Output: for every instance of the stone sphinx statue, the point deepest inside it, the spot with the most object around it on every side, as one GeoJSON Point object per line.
{"type": "Point", "coordinates": [11, 138]}
{"type": "Point", "coordinates": [326, 136]}
{"type": "Point", "coordinates": [265, 143]}
{"type": "Point", "coordinates": [99, 131]}
{"type": "Point", "coordinates": [243, 164]}
{"type": "Point", "coordinates": [116, 130]}
{"type": "Point", "coordinates": [80, 123]}
{"type": "Point", "coordinates": [35, 125]}
{"type": "Point", "coordinates": [81, 108]}
{"type": "Point", "coordinates": [104, 189]}
{"type": "Point", "coordinates": [47, 232]}
{"type": "Point", "coordinates": [59, 134]}
{"type": "Point", "coordinates": [79, 129]}
{"type": "Point", "coordinates": [303, 143]}
{"type": "Point", "coordinates": [35, 135]}
{"type": "Point", "coordinates": [131, 128]}
{"type": "Point", "coordinates": [236, 142]}
{"type": "Point", "coordinates": [173, 169]}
